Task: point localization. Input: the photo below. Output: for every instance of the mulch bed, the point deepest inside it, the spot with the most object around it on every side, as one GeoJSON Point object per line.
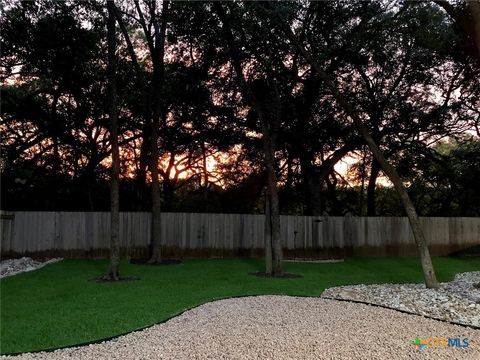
{"type": "Point", "coordinates": [157, 263]}
{"type": "Point", "coordinates": [284, 275]}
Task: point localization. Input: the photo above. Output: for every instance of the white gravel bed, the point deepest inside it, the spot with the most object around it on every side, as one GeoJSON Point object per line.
{"type": "Point", "coordinates": [457, 301]}
{"type": "Point", "coordinates": [12, 267]}
{"type": "Point", "coordinates": [282, 327]}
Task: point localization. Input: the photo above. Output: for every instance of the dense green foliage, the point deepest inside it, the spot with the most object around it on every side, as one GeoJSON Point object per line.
{"type": "Point", "coordinates": [57, 305]}
{"type": "Point", "coordinates": [403, 65]}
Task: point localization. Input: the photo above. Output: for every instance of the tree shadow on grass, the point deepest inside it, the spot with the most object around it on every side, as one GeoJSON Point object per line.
{"type": "Point", "coordinates": [121, 279]}
{"type": "Point", "coordinates": [155, 263]}
{"type": "Point", "coordinates": [284, 275]}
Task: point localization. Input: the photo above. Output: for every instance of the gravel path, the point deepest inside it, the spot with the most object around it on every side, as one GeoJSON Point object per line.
{"type": "Point", "coordinates": [281, 327]}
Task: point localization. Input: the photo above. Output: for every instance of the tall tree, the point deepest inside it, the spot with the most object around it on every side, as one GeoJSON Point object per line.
{"type": "Point", "coordinates": [263, 96]}
{"type": "Point", "coordinates": [158, 116]}
{"type": "Point", "coordinates": [388, 169]}
{"type": "Point", "coordinates": [154, 26]}
{"type": "Point", "coordinates": [113, 269]}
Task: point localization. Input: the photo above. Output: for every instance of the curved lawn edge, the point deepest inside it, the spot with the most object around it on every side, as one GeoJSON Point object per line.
{"type": "Point", "coordinates": [113, 337]}
{"type": "Point", "coordinates": [168, 292]}
{"type": "Point", "coordinates": [109, 338]}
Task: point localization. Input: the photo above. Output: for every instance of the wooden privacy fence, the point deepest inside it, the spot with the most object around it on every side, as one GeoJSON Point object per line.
{"type": "Point", "coordinates": [87, 234]}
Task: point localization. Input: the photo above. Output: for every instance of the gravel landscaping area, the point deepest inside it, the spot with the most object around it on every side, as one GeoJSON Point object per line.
{"type": "Point", "coordinates": [282, 327]}
{"type": "Point", "coordinates": [456, 301]}
{"type": "Point", "coordinates": [11, 267]}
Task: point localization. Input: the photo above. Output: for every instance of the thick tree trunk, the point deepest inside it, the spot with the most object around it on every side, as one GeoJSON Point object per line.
{"type": "Point", "coordinates": [372, 185]}
{"type": "Point", "coordinates": [335, 206]}
{"type": "Point", "coordinates": [277, 256]}
{"type": "Point", "coordinates": [312, 187]}
{"type": "Point", "coordinates": [168, 193]}
{"type": "Point", "coordinates": [362, 187]}
{"type": "Point", "coordinates": [113, 269]}
{"type": "Point", "coordinates": [388, 169]}
{"type": "Point", "coordinates": [156, 255]}
{"type": "Point", "coordinates": [273, 217]}
{"type": "Point", "coordinates": [268, 236]}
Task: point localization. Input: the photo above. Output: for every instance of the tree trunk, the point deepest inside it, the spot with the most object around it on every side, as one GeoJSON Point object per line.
{"type": "Point", "coordinates": [141, 178]}
{"type": "Point", "coordinates": [158, 79]}
{"type": "Point", "coordinates": [312, 187]}
{"type": "Point", "coordinates": [388, 169]}
{"type": "Point", "coordinates": [113, 269]}
{"type": "Point", "coordinates": [372, 185]}
{"type": "Point", "coordinates": [156, 247]}
{"type": "Point", "coordinates": [168, 194]}
{"type": "Point", "coordinates": [55, 138]}
{"type": "Point", "coordinates": [144, 158]}
{"type": "Point", "coordinates": [335, 206]}
{"type": "Point", "coordinates": [205, 173]}
{"type": "Point", "coordinates": [362, 187]}
{"type": "Point", "coordinates": [273, 217]}
{"type": "Point", "coordinates": [428, 271]}
{"type": "Point", "coordinates": [269, 131]}
{"type": "Point", "coordinates": [315, 176]}
{"type": "Point", "coordinates": [268, 236]}
{"type": "Point", "coordinates": [156, 255]}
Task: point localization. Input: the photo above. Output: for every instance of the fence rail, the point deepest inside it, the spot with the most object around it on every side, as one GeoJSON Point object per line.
{"type": "Point", "coordinates": [195, 234]}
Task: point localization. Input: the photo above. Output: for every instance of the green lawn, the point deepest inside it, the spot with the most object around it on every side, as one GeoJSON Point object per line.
{"type": "Point", "coordinates": [57, 305]}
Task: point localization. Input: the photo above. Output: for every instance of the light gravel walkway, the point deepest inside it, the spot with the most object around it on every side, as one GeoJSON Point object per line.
{"type": "Point", "coordinates": [281, 327]}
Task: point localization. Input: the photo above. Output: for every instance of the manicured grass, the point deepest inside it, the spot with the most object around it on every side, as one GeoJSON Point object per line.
{"type": "Point", "coordinates": [57, 305]}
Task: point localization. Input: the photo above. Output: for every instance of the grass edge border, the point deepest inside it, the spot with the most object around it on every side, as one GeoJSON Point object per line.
{"type": "Point", "coordinates": [98, 341]}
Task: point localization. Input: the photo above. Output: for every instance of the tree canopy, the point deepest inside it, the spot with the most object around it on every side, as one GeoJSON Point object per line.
{"type": "Point", "coordinates": [231, 79]}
